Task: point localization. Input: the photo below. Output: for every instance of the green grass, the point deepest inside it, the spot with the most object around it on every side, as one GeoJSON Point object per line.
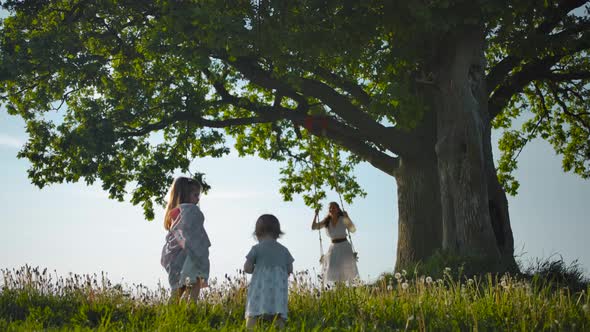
{"type": "Point", "coordinates": [31, 299]}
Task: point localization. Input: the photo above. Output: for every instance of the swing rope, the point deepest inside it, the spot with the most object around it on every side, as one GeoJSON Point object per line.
{"type": "Point", "coordinates": [337, 189]}
{"type": "Point", "coordinates": [315, 194]}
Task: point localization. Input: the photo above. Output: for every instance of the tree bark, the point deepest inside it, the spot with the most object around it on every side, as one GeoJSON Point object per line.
{"type": "Point", "coordinates": [463, 170]}
{"type": "Point", "coordinates": [419, 226]}
{"type": "Point", "coordinates": [419, 210]}
{"type": "Point", "coordinates": [449, 196]}
{"type": "Point", "coordinates": [498, 205]}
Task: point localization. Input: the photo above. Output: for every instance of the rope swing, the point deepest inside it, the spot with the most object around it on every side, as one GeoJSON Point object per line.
{"type": "Point", "coordinates": [310, 123]}
{"type": "Point", "coordinates": [315, 195]}
{"type": "Point", "coordinates": [337, 189]}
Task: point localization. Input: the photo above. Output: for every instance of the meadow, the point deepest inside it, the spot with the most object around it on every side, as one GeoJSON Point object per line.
{"type": "Point", "coordinates": [37, 299]}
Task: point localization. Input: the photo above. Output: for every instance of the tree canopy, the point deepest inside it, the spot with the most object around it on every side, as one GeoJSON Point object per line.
{"type": "Point", "coordinates": [127, 92]}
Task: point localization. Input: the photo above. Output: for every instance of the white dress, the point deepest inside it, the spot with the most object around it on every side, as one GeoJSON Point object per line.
{"type": "Point", "coordinates": [269, 287]}
{"type": "Point", "coordinates": [339, 263]}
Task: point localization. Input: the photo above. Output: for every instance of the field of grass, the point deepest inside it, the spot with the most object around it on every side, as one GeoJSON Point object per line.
{"type": "Point", "coordinates": [35, 299]}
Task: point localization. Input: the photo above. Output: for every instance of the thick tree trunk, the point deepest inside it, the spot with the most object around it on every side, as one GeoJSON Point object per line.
{"type": "Point", "coordinates": [498, 206]}
{"type": "Point", "coordinates": [449, 196]}
{"type": "Point", "coordinates": [419, 227]}
{"type": "Point", "coordinates": [462, 159]}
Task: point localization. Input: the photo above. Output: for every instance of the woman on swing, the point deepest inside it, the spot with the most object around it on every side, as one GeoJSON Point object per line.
{"type": "Point", "coordinates": [339, 264]}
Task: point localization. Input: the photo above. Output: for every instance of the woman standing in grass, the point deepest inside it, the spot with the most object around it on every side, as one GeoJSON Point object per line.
{"type": "Point", "coordinates": [270, 264]}
{"type": "Point", "coordinates": [185, 255]}
{"type": "Point", "coordinates": [339, 264]}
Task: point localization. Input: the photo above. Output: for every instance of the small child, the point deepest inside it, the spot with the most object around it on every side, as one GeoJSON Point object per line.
{"type": "Point", "coordinates": [271, 263]}
{"type": "Point", "coordinates": [185, 255]}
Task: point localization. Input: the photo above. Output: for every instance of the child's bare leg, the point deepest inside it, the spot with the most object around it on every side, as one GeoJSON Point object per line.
{"type": "Point", "coordinates": [176, 295]}
{"type": "Point", "coordinates": [251, 322]}
{"type": "Point", "coordinates": [195, 291]}
{"type": "Point", "coordinates": [279, 322]}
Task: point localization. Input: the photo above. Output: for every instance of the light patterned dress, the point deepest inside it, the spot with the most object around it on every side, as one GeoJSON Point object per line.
{"type": "Point", "coordinates": [339, 263]}
{"type": "Point", "coordinates": [185, 255]}
{"type": "Point", "coordinates": [268, 289]}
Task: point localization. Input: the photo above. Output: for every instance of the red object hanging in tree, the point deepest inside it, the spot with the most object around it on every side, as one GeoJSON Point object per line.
{"type": "Point", "coordinates": [316, 122]}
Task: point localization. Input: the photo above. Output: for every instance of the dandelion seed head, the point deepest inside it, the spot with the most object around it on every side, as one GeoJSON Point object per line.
{"type": "Point", "coordinates": [404, 273]}
{"type": "Point", "coordinates": [428, 280]}
{"type": "Point", "coordinates": [405, 285]}
{"type": "Point", "coordinates": [389, 287]}
{"type": "Point", "coordinates": [397, 275]}
{"type": "Point", "coordinates": [470, 281]}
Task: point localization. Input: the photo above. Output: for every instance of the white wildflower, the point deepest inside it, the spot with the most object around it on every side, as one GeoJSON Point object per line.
{"type": "Point", "coordinates": [428, 280]}
{"type": "Point", "coordinates": [504, 284]}
{"type": "Point", "coordinates": [397, 275]}
{"type": "Point", "coordinates": [404, 273]}
{"type": "Point", "coordinates": [405, 285]}
{"type": "Point", "coordinates": [470, 282]}
{"type": "Point", "coordinates": [389, 287]}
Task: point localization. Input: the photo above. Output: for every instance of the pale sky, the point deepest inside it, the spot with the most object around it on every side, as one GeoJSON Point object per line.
{"type": "Point", "coordinates": [75, 228]}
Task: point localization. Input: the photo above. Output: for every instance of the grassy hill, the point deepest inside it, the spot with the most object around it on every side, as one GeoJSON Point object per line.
{"type": "Point", "coordinates": [34, 299]}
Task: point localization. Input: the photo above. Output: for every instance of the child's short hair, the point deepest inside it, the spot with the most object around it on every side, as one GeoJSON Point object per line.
{"type": "Point", "coordinates": [267, 224]}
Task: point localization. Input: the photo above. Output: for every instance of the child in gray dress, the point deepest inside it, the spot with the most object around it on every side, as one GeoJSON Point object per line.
{"type": "Point", "coordinates": [270, 264]}
{"type": "Point", "coordinates": [185, 255]}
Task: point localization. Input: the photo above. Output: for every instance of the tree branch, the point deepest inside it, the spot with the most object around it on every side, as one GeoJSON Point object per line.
{"type": "Point", "coordinates": [355, 91]}
{"type": "Point", "coordinates": [553, 18]}
{"type": "Point", "coordinates": [577, 116]}
{"type": "Point", "coordinates": [369, 129]}
{"type": "Point", "coordinates": [346, 136]}
{"type": "Point", "coordinates": [257, 76]}
{"type": "Point", "coordinates": [340, 134]}
{"type": "Point", "coordinates": [189, 117]}
{"type": "Point", "coordinates": [534, 70]}
{"type": "Point", "coordinates": [567, 76]}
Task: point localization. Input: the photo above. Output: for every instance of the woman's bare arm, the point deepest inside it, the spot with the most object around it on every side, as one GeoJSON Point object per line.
{"type": "Point", "coordinates": [316, 225]}
{"type": "Point", "coordinates": [348, 223]}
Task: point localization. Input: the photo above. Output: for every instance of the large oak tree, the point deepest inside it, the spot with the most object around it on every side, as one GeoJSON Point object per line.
{"type": "Point", "coordinates": [127, 92]}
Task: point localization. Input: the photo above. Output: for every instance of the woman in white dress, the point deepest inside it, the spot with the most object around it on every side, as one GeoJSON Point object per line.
{"type": "Point", "coordinates": [339, 263]}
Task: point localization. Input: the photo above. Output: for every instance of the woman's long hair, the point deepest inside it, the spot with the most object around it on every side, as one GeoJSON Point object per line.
{"type": "Point", "coordinates": [179, 193]}
{"type": "Point", "coordinates": [327, 220]}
